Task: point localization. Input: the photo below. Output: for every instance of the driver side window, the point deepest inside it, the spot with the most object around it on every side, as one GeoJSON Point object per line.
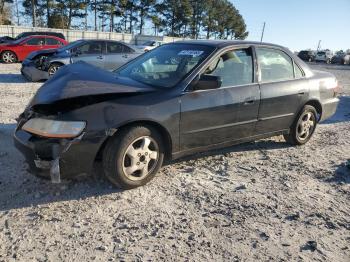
{"type": "Point", "coordinates": [35, 41]}
{"type": "Point", "coordinates": [91, 48]}
{"type": "Point", "coordinates": [235, 67]}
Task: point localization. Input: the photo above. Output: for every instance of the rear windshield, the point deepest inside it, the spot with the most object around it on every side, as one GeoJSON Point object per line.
{"type": "Point", "coordinates": [321, 53]}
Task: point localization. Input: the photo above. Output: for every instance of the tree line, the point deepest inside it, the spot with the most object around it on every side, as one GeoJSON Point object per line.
{"type": "Point", "coordinates": [185, 18]}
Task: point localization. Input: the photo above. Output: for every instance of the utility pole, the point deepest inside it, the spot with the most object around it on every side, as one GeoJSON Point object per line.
{"type": "Point", "coordinates": [262, 33]}
{"type": "Point", "coordinates": [319, 45]}
{"type": "Point", "coordinates": [34, 13]}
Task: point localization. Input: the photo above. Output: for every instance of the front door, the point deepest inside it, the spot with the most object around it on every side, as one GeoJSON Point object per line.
{"type": "Point", "coordinates": [31, 45]}
{"type": "Point", "coordinates": [282, 91]}
{"type": "Point", "coordinates": [91, 52]}
{"type": "Point", "coordinates": [229, 113]}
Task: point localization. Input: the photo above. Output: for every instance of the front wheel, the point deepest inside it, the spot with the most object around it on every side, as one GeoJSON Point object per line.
{"type": "Point", "coordinates": [53, 68]}
{"type": "Point", "coordinates": [133, 156]}
{"type": "Point", "coordinates": [303, 127]}
{"type": "Point", "coordinates": [8, 57]}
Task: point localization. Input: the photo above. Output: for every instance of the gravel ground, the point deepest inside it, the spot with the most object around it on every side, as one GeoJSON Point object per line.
{"type": "Point", "coordinates": [254, 202]}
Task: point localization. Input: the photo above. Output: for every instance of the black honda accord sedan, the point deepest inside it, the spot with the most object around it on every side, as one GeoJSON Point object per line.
{"type": "Point", "coordinates": [175, 100]}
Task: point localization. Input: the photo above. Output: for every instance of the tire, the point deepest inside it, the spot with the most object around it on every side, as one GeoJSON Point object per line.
{"type": "Point", "coordinates": [53, 68]}
{"type": "Point", "coordinates": [302, 129]}
{"type": "Point", "coordinates": [126, 164]}
{"type": "Point", "coordinates": [8, 57]}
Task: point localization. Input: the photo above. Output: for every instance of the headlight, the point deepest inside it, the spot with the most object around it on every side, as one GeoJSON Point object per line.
{"type": "Point", "coordinates": [53, 128]}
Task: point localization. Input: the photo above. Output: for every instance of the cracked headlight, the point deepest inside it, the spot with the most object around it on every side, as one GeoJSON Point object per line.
{"type": "Point", "coordinates": [54, 128]}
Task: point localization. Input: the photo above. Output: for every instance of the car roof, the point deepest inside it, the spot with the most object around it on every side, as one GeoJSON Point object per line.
{"type": "Point", "coordinates": [225, 43]}
{"type": "Point", "coordinates": [50, 36]}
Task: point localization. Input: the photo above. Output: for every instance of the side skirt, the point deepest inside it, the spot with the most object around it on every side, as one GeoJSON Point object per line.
{"type": "Point", "coordinates": [176, 155]}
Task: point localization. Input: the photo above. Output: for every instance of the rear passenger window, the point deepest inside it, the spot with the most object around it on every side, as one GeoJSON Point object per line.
{"type": "Point", "coordinates": [52, 41]}
{"type": "Point", "coordinates": [234, 67]}
{"type": "Point", "coordinates": [298, 72]}
{"type": "Point", "coordinates": [275, 65]}
{"type": "Point", "coordinates": [115, 48]}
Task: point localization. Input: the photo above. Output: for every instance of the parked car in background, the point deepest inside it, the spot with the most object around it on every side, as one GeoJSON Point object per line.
{"type": "Point", "coordinates": [175, 100]}
{"type": "Point", "coordinates": [106, 54]}
{"type": "Point", "coordinates": [7, 39]}
{"type": "Point", "coordinates": [18, 50]}
{"type": "Point", "coordinates": [149, 45]}
{"type": "Point", "coordinates": [307, 55]}
{"type": "Point", "coordinates": [341, 58]}
{"type": "Point", "coordinates": [324, 56]}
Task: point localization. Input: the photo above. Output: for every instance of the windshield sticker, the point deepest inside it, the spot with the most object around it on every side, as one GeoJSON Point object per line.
{"type": "Point", "coordinates": [193, 53]}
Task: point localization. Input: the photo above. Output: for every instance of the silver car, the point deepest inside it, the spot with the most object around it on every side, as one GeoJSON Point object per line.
{"type": "Point", "coordinates": [106, 54]}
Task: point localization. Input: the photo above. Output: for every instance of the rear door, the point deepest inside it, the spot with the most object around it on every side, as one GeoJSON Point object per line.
{"type": "Point", "coordinates": [52, 43]}
{"type": "Point", "coordinates": [117, 55]}
{"type": "Point", "coordinates": [283, 90]}
{"type": "Point", "coordinates": [216, 116]}
{"type": "Point", "coordinates": [91, 52]}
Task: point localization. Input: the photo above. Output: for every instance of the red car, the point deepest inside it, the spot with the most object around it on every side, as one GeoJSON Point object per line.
{"type": "Point", "coordinates": [18, 50]}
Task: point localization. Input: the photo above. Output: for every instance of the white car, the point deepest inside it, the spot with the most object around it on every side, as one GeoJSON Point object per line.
{"type": "Point", "coordinates": [324, 56]}
{"type": "Point", "coordinates": [149, 45]}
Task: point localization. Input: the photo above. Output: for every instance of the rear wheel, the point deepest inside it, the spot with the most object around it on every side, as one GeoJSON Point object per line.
{"type": "Point", "coordinates": [303, 126]}
{"type": "Point", "coordinates": [53, 68]}
{"type": "Point", "coordinates": [133, 156]}
{"type": "Point", "coordinates": [8, 57]}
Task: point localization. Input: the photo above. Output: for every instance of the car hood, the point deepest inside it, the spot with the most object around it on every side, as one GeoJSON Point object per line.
{"type": "Point", "coordinates": [42, 52]}
{"type": "Point", "coordinates": [84, 80]}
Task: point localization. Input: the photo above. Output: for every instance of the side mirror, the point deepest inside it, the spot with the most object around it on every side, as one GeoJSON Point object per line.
{"type": "Point", "coordinates": [206, 82]}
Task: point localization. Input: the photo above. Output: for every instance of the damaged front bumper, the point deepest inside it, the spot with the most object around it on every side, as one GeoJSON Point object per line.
{"type": "Point", "coordinates": [32, 73]}
{"type": "Point", "coordinates": [58, 158]}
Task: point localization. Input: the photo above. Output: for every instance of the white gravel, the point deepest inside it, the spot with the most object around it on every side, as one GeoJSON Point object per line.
{"type": "Point", "coordinates": [259, 201]}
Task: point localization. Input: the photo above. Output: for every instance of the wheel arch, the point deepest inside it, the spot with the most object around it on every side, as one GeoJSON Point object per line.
{"type": "Point", "coordinates": [3, 51]}
{"type": "Point", "coordinates": [317, 105]}
{"type": "Point", "coordinates": [167, 140]}
{"type": "Point", "coordinates": [57, 62]}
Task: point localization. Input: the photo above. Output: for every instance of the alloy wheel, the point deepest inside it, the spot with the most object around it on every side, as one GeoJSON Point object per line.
{"type": "Point", "coordinates": [140, 158]}
{"type": "Point", "coordinates": [306, 126]}
{"type": "Point", "coordinates": [8, 57]}
{"type": "Point", "coordinates": [53, 69]}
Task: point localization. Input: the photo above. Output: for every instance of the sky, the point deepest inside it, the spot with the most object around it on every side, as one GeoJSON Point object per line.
{"type": "Point", "coordinates": [298, 24]}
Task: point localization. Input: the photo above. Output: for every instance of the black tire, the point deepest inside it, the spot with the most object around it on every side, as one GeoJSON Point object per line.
{"type": "Point", "coordinates": [53, 68]}
{"type": "Point", "coordinates": [294, 137]}
{"type": "Point", "coordinates": [115, 156]}
{"type": "Point", "coordinates": [8, 57]}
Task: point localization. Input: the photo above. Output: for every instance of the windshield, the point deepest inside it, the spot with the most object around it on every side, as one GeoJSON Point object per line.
{"type": "Point", "coordinates": [20, 40]}
{"type": "Point", "coordinates": [20, 36]}
{"type": "Point", "coordinates": [167, 65]}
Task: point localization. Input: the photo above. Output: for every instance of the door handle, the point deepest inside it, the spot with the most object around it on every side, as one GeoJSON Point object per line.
{"type": "Point", "coordinates": [100, 57]}
{"type": "Point", "coordinates": [301, 92]}
{"type": "Point", "coordinates": [249, 101]}
{"type": "Point", "coordinates": [125, 56]}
